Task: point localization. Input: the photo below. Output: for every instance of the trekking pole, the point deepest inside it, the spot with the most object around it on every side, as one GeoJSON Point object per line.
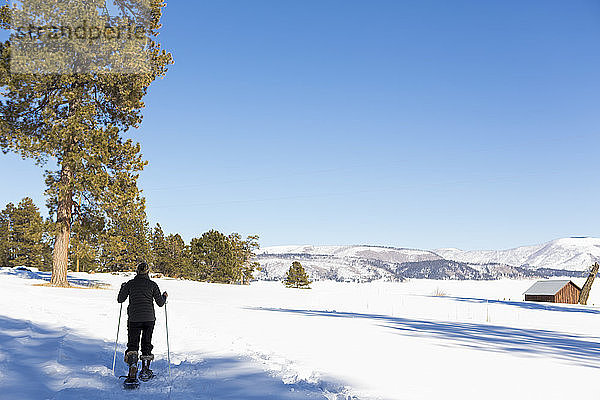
{"type": "Point", "coordinates": [117, 339]}
{"type": "Point", "coordinates": [168, 350]}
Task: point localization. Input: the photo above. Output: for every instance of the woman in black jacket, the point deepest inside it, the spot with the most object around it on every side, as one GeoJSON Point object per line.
{"type": "Point", "coordinates": [142, 293]}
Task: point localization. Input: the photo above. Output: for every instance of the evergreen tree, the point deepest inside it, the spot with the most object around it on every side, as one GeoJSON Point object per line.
{"type": "Point", "coordinates": [243, 253]}
{"type": "Point", "coordinates": [296, 277]}
{"type": "Point", "coordinates": [178, 255]}
{"type": "Point", "coordinates": [23, 236]}
{"type": "Point", "coordinates": [125, 240]}
{"type": "Point", "coordinates": [211, 258]}
{"type": "Point", "coordinates": [216, 257]}
{"type": "Point", "coordinates": [5, 235]}
{"type": "Point", "coordinates": [47, 242]}
{"type": "Point", "coordinates": [158, 247]}
{"type": "Point", "coordinates": [170, 254]}
{"type": "Point", "coordinates": [27, 233]}
{"type": "Point", "coordinates": [77, 119]}
{"type": "Point", "coordinates": [86, 238]}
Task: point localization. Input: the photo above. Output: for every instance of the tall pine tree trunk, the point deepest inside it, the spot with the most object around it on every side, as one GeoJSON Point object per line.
{"type": "Point", "coordinates": [60, 257]}
{"type": "Point", "coordinates": [585, 291]}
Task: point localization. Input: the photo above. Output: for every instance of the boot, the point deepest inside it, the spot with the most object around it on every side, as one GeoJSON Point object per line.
{"type": "Point", "coordinates": [146, 373]}
{"type": "Point", "coordinates": [131, 358]}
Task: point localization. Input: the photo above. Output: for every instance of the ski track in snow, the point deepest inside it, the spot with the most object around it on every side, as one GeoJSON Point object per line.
{"type": "Point", "coordinates": [263, 341]}
{"type": "Point", "coordinates": [61, 364]}
{"type": "Point", "coordinates": [44, 363]}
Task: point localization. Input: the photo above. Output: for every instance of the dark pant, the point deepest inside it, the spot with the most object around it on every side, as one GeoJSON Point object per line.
{"type": "Point", "coordinates": [133, 337]}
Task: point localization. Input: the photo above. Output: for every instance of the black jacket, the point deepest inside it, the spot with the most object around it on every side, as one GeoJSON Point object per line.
{"type": "Point", "coordinates": [141, 291]}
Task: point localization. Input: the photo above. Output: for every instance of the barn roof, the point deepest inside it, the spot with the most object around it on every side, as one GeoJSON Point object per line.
{"type": "Point", "coordinates": [548, 287]}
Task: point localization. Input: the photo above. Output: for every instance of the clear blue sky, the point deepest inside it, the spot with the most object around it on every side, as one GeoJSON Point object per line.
{"type": "Point", "coordinates": [427, 124]}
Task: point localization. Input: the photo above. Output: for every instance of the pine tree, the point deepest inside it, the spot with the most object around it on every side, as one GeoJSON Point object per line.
{"type": "Point", "coordinates": [125, 240]}
{"type": "Point", "coordinates": [23, 235]}
{"type": "Point", "coordinates": [78, 119]}
{"type": "Point", "coordinates": [5, 235]}
{"type": "Point", "coordinates": [211, 258]}
{"type": "Point", "coordinates": [47, 242]}
{"type": "Point", "coordinates": [170, 255]}
{"type": "Point", "coordinates": [86, 238]}
{"type": "Point", "coordinates": [178, 255]}
{"type": "Point", "coordinates": [216, 257]}
{"type": "Point", "coordinates": [158, 248]}
{"type": "Point", "coordinates": [296, 277]}
{"type": "Point", "coordinates": [250, 264]}
{"type": "Point", "coordinates": [27, 233]}
{"type": "Point", "coordinates": [243, 254]}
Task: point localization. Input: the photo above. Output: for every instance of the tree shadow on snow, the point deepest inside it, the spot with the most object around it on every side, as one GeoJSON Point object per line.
{"type": "Point", "coordinates": [41, 363]}
{"type": "Point", "coordinates": [574, 349]}
{"type": "Point", "coordinates": [529, 305]}
{"type": "Point", "coordinates": [26, 273]}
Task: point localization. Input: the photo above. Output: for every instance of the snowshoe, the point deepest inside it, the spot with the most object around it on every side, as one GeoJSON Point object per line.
{"type": "Point", "coordinates": [146, 373]}
{"type": "Point", "coordinates": [131, 381]}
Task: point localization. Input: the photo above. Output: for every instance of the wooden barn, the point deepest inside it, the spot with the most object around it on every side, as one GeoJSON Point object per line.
{"type": "Point", "coordinates": [553, 291]}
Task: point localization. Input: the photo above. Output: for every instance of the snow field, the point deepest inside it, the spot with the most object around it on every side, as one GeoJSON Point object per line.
{"type": "Point", "coordinates": [371, 341]}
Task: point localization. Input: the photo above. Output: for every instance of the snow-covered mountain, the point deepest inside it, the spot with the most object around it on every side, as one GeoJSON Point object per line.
{"type": "Point", "coordinates": [345, 263]}
{"type": "Point", "coordinates": [573, 254]}
{"type": "Point", "coordinates": [570, 256]}
{"type": "Point", "coordinates": [387, 254]}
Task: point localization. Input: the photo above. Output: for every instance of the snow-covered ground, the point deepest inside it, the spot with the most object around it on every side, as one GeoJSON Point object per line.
{"type": "Point", "coordinates": [336, 341]}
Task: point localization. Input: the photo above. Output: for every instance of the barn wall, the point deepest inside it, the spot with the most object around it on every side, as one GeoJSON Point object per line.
{"type": "Point", "coordinates": [541, 298]}
{"type": "Point", "coordinates": [568, 294]}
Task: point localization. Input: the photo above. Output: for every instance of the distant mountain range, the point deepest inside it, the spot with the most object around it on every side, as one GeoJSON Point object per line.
{"type": "Point", "coordinates": [562, 257]}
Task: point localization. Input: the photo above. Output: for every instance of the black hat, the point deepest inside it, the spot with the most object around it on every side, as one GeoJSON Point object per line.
{"type": "Point", "coordinates": [143, 268]}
